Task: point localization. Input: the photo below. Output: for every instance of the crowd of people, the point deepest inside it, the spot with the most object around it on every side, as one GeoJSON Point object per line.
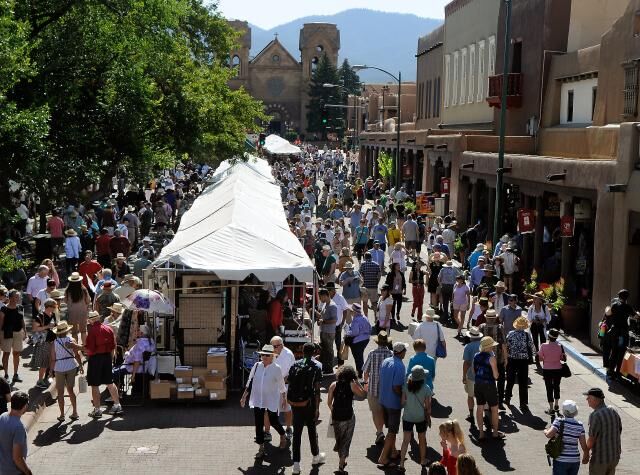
{"type": "Point", "coordinates": [368, 247]}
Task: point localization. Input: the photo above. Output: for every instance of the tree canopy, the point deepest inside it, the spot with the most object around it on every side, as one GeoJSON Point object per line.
{"type": "Point", "coordinates": [92, 87]}
{"type": "Point", "coordinates": [319, 96]}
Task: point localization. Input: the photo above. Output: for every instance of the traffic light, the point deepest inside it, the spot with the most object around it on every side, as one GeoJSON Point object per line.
{"type": "Point", "coordinates": [261, 140]}
{"type": "Point", "coordinates": [324, 117]}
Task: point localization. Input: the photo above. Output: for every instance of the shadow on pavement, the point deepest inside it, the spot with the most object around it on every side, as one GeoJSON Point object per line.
{"type": "Point", "coordinates": [275, 462]}
{"type": "Point", "coordinates": [438, 411]}
{"type": "Point", "coordinates": [528, 419]}
{"type": "Point", "coordinates": [72, 432]}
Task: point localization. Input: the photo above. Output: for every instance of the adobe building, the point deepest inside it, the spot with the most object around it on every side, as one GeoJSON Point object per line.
{"type": "Point", "coordinates": [571, 153]}
{"type": "Point", "coordinates": [275, 77]}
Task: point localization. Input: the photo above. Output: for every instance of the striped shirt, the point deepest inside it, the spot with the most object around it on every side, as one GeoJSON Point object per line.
{"type": "Point", "coordinates": [605, 425]}
{"type": "Point", "coordinates": [370, 272]}
{"type": "Point", "coordinates": [372, 366]}
{"type": "Point", "coordinates": [65, 358]}
{"type": "Point", "coordinates": [571, 433]}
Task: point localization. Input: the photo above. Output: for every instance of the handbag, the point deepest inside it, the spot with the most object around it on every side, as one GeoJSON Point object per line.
{"type": "Point", "coordinates": [555, 445]}
{"type": "Point", "coordinates": [441, 350]}
{"type": "Point", "coordinates": [565, 371]}
{"type": "Point", "coordinates": [82, 384]}
{"type": "Point", "coordinates": [331, 434]}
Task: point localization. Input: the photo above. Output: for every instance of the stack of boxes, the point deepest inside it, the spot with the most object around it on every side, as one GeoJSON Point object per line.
{"type": "Point", "coordinates": [216, 377]}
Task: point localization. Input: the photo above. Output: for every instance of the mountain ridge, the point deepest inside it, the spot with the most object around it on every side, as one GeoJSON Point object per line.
{"type": "Point", "coordinates": [382, 39]}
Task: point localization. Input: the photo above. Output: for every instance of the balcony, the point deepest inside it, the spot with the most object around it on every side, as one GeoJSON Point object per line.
{"type": "Point", "coordinates": [514, 90]}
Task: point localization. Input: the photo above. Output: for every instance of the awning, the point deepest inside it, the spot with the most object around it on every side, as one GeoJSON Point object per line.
{"type": "Point", "coordinates": [276, 145]}
{"type": "Point", "coordinates": [237, 227]}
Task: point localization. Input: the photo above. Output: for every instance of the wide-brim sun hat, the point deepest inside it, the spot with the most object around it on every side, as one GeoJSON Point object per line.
{"type": "Point", "coordinates": [430, 314]}
{"type": "Point", "coordinates": [487, 343]}
{"type": "Point", "coordinates": [521, 323]}
{"type": "Point", "coordinates": [75, 277]}
{"type": "Point", "coordinates": [382, 338]}
{"type": "Point", "coordinates": [62, 328]}
{"type": "Point", "coordinates": [418, 373]}
{"type": "Point", "coordinates": [473, 333]}
{"type": "Point", "coordinates": [93, 315]}
{"type": "Point", "coordinates": [267, 350]}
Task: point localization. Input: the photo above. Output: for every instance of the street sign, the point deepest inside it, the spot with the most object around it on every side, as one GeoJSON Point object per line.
{"type": "Point", "coordinates": [526, 220]}
{"type": "Point", "coordinates": [445, 184]}
{"type": "Point", "coordinates": [567, 224]}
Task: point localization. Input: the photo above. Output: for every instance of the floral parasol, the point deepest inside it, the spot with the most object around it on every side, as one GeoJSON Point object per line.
{"type": "Point", "coordinates": [148, 301]}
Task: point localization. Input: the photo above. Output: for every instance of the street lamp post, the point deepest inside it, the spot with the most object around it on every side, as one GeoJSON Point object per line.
{"type": "Point", "coordinates": [497, 218]}
{"type": "Point", "coordinates": [399, 81]}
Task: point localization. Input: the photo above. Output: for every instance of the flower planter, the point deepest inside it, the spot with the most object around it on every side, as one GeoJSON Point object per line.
{"type": "Point", "coordinates": [573, 319]}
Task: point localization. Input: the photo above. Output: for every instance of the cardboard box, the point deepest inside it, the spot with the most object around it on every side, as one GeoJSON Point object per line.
{"type": "Point", "coordinates": [217, 395]}
{"type": "Point", "coordinates": [200, 371]}
{"type": "Point", "coordinates": [160, 389]}
{"type": "Point", "coordinates": [218, 372]}
{"type": "Point", "coordinates": [202, 392]}
{"type": "Point", "coordinates": [214, 382]}
{"type": "Point", "coordinates": [216, 362]}
{"type": "Point", "coordinates": [183, 372]}
{"type": "Point", "coordinates": [185, 391]}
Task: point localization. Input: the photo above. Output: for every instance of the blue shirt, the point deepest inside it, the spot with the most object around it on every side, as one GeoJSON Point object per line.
{"type": "Point", "coordinates": [427, 362]}
{"type": "Point", "coordinates": [351, 289]}
{"type": "Point", "coordinates": [361, 235]}
{"type": "Point", "coordinates": [470, 351]}
{"type": "Point", "coordinates": [12, 432]}
{"type": "Point", "coordinates": [377, 256]}
{"type": "Point", "coordinates": [473, 258]}
{"type": "Point", "coordinates": [477, 273]}
{"type": "Point", "coordinates": [380, 233]}
{"type": "Point", "coordinates": [392, 373]}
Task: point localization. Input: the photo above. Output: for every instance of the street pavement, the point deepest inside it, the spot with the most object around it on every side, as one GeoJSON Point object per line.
{"type": "Point", "coordinates": [217, 438]}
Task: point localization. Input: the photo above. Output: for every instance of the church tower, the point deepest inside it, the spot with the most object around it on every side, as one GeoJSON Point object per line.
{"type": "Point", "coordinates": [239, 56]}
{"type": "Point", "coordinates": [316, 40]}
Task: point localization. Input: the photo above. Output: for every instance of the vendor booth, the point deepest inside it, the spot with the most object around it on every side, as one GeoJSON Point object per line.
{"type": "Point", "coordinates": [276, 145]}
{"type": "Point", "coordinates": [232, 252]}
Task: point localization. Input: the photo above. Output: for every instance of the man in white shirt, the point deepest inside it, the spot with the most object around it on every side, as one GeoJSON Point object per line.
{"type": "Point", "coordinates": [430, 331]}
{"type": "Point", "coordinates": [343, 307]}
{"type": "Point", "coordinates": [449, 236]}
{"type": "Point", "coordinates": [37, 283]}
{"type": "Point", "coordinates": [510, 265]}
{"type": "Point", "coordinates": [285, 360]}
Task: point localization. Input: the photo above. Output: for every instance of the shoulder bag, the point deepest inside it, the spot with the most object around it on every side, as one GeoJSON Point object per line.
{"type": "Point", "coordinates": [565, 371]}
{"type": "Point", "coordinates": [530, 359]}
{"type": "Point", "coordinates": [555, 445]}
{"type": "Point", "coordinates": [441, 350]}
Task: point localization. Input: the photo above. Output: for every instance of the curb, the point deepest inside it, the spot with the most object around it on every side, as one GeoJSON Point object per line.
{"type": "Point", "coordinates": [584, 361]}
{"type": "Point", "coordinates": [39, 404]}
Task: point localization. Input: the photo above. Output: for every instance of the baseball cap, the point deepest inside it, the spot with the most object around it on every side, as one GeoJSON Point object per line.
{"type": "Point", "coordinates": [399, 347]}
{"type": "Point", "coordinates": [596, 392]}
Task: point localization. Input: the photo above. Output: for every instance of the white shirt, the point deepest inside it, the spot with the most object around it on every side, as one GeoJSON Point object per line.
{"type": "Point", "coordinates": [267, 387]}
{"type": "Point", "coordinates": [498, 302]}
{"type": "Point", "coordinates": [508, 262]}
{"type": "Point", "coordinates": [22, 211]}
{"type": "Point", "coordinates": [429, 332]}
{"type": "Point", "coordinates": [36, 284]}
{"type": "Point", "coordinates": [399, 257]}
{"type": "Point", "coordinates": [542, 314]}
{"type": "Point", "coordinates": [384, 314]}
{"type": "Point", "coordinates": [43, 295]}
{"type": "Point", "coordinates": [285, 361]}
{"type": "Point", "coordinates": [342, 305]}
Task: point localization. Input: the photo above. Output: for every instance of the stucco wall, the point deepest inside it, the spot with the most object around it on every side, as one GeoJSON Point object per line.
{"type": "Point", "coordinates": [582, 101]}
{"type": "Point", "coordinates": [429, 79]}
{"type": "Point", "coordinates": [584, 143]}
{"type": "Point", "coordinates": [474, 21]}
{"type": "Point", "coordinates": [590, 19]}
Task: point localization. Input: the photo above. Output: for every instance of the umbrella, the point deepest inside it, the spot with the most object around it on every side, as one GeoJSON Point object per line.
{"type": "Point", "coordinates": [148, 301]}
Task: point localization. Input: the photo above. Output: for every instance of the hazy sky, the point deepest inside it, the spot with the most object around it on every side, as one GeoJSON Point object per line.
{"type": "Point", "coordinates": [267, 14]}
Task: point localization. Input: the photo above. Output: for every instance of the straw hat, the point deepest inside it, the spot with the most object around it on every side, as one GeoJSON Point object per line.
{"type": "Point", "coordinates": [553, 333]}
{"type": "Point", "coordinates": [348, 265]}
{"type": "Point", "coordinates": [62, 328]}
{"type": "Point", "coordinates": [449, 263]}
{"type": "Point", "coordinates": [70, 232]}
{"type": "Point", "coordinates": [473, 333]}
{"type": "Point", "coordinates": [75, 277]}
{"type": "Point", "coordinates": [267, 350]}
{"type": "Point", "coordinates": [500, 284]}
{"type": "Point", "coordinates": [487, 343]}
{"type": "Point", "coordinates": [117, 308]}
{"type": "Point", "coordinates": [521, 323]}
{"type": "Point", "coordinates": [430, 314]}
{"type": "Point", "coordinates": [120, 256]}
{"type": "Point", "coordinates": [399, 347]}
{"type": "Point", "coordinates": [382, 338]}
{"type": "Point", "coordinates": [93, 316]}
{"type": "Point", "coordinates": [491, 313]}
{"type": "Point", "coordinates": [489, 268]}
{"type": "Point", "coordinates": [539, 295]}
{"type": "Point", "coordinates": [57, 294]}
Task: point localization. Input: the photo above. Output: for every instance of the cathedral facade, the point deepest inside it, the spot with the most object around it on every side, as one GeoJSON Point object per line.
{"type": "Point", "coordinates": [277, 78]}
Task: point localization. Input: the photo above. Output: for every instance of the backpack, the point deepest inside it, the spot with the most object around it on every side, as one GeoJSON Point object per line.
{"type": "Point", "coordinates": [301, 381]}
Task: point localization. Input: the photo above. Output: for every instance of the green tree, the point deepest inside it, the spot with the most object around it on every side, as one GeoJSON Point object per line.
{"type": "Point", "coordinates": [385, 165]}
{"type": "Point", "coordinates": [349, 80]}
{"type": "Point", "coordinates": [130, 86]}
{"type": "Point", "coordinates": [319, 96]}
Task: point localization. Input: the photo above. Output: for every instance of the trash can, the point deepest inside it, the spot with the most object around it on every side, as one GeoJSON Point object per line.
{"type": "Point", "coordinates": [44, 247]}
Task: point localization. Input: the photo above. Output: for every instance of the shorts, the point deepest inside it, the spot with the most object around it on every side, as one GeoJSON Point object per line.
{"type": "Point", "coordinates": [100, 369]}
{"type": "Point", "coordinates": [66, 379]}
{"type": "Point", "coordinates": [373, 295]}
{"type": "Point", "coordinates": [463, 307]}
{"type": "Point", "coordinates": [374, 405]}
{"type": "Point", "coordinates": [468, 388]}
{"type": "Point", "coordinates": [421, 427]}
{"type": "Point", "coordinates": [14, 344]}
{"type": "Point", "coordinates": [392, 419]}
{"type": "Point", "coordinates": [486, 394]}
{"type": "Point", "coordinates": [353, 300]}
{"type": "Point", "coordinates": [411, 244]}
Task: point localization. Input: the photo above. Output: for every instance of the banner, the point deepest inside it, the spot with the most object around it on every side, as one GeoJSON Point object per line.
{"type": "Point", "coordinates": [425, 204]}
{"type": "Point", "coordinates": [567, 223]}
{"type": "Point", "coordinates": [445, 186]}
{"type": "Point", "coordinates": [526, 220]}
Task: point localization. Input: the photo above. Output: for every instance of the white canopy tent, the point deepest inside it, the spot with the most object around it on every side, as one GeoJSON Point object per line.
{"type": "Point", "coordinates": [237, 227]}
{"type": "Point", "coordinates": [276, 145]}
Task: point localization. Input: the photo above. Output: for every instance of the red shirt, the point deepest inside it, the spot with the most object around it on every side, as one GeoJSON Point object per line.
{"type": "Point", "coordinates": [87, 270]}
{"type": "Point", "coordinates": [102, 245]}
{"type": "Point", "coordinates": [119, 244]}
{"type": "Point", "coordinates": [100, 339]}
{"type": "Point", "coordinates": [274, 314]}
{"type": "Point", "coordinates": [56, 226]}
